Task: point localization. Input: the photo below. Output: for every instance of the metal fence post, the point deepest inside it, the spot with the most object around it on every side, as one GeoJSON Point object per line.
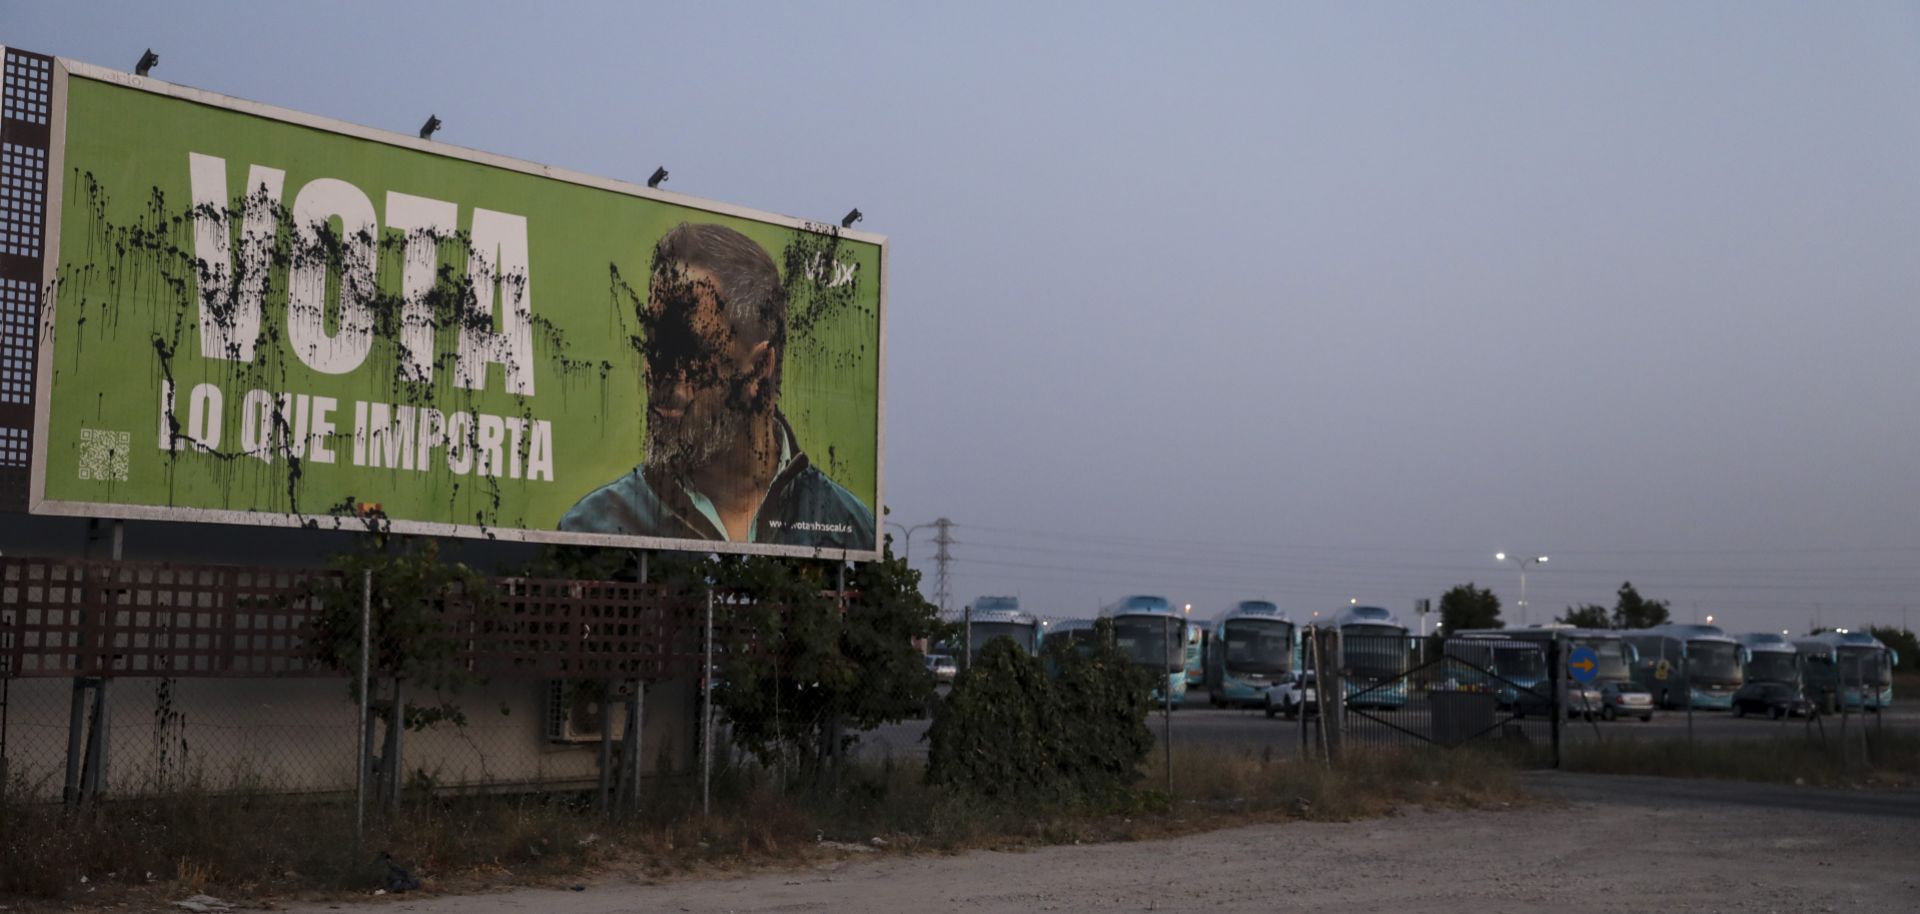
{"type": "Point", "coordinates": [1301, 693]}
{"type": "Point", "coordinates": [1321, 683]}
{"type": "Point", "coordinates": [1166, 691]}
{"type": "Point", "coordinates": [603, 790]}
{"type": "Point", "coordinates": [76, 720]}
{"type": "Point", "coordinates": [1557, 670]}
{"type": "Point", "coordinates": [706, 721]}
{"type": "Point", "coordinates": [628, 799]}
{"type": "Point", "coordinates": [362, 759]}
{"type": "Point", "coordinates": [390, 762]}
{"type": "Point", "coordinates": [94, 779]}
{"type": "Point", "coordinates": [966, 637]}
{"type": "Point", "coordinates": [1337, 722]}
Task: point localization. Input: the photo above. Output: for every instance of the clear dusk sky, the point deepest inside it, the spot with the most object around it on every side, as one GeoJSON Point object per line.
{"type": "Point", "coordinates": [1305, 302]}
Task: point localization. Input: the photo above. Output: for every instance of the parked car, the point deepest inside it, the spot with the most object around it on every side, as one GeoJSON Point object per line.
{"type": "Point", "coordinates": [1536, 699]}
{"type": "Point", "coordinates": [1293, 696]}
{"type": "Point", "coordinates": [1625, 699]}
{"type": "Point", "coordinates": [1774, 699]}
{"type": "Point", "coordinates": [942, 667]}
{"type": "Point", "coordinates": [1583, 701]}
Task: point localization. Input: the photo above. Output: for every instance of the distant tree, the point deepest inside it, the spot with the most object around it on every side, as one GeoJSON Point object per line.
{"type": "Point", "coordinates": [1635, 611]}
{"type": "Point", "coordinates": [1467, 606]}
{"type": "Point", "coordinates": [1902, 641]}
{"type": "Point", "coordinates": [1592, 615]}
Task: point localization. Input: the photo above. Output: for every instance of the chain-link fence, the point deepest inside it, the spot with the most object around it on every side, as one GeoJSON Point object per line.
{"type": "Point", "coordinates": [129, 679]}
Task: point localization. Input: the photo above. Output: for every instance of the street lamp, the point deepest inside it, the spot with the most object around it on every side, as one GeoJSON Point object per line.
{"type": "Point", "coordinates": [1523, 561]}
{"type": "Point", "coordinates": [906, 536]}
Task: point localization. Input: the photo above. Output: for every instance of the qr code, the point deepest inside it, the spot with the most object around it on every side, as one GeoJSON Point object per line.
{"type": "Point", "coordinates": [103, 454]}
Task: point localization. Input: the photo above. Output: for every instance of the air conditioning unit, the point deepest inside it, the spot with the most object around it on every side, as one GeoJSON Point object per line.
{"type": "Point", "coordinates": [573, 712]}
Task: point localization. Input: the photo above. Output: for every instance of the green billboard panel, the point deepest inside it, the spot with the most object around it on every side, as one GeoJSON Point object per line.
{"type": "Point", "coordinates": [258, 316]}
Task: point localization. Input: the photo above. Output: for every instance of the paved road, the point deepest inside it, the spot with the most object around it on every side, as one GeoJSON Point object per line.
{"type": "Point", "coordinates": [1196, 724]}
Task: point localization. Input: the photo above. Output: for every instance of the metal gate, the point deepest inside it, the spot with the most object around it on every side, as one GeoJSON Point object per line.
{"type": "Point", "coordinates": [1387, 690]}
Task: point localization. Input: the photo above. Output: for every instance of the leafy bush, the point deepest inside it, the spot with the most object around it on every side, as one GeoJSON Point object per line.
{"type": "Point", "coordinates": [412, 589]}
{"type": "Point", "coordinates": [1066, 727]}
{"type": "Point", "coordinates": [814, 671]}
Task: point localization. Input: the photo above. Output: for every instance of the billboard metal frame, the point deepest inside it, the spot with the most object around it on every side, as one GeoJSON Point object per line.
{"type": "Point", "coordinates": [63, 70]}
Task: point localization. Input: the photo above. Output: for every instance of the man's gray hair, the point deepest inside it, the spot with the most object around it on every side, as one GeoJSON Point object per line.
{"type": "Point", "coordinates": [753, 299]}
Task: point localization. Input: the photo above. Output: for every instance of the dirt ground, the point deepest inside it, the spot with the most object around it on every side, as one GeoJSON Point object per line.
{"type": "Point", "coordinates": [1596, 844]}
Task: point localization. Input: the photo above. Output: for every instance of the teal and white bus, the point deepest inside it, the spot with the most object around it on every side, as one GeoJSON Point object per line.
{"type": "Point", "coordinates": [1682, 665]}
{"type": "Point", "coordinates": [1854, 667]}
{"type": "Point", "coordinates": [1769, 657]}
{"type": "Point", "coordinates": [1154, 635]}
{"type": "Point", "coordinates": [1251, 646]}
{"type": "Point", "coordinates": [1001, 617]}
{"type": "Point", "coordinates": [1516, 670]}
{"type": "Point", "coordinates": [1612, 654]}
{"type": "Point", "coordinates": [1196, 654]}
{"type": "Point", "coordinates": [1378, 653]}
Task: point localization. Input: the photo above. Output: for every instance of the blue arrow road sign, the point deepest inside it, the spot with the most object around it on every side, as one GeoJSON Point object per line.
{"type": "Point", "coordinates": [1583, 664]}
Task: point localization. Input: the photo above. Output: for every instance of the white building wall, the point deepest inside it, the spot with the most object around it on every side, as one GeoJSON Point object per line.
{"type": "Point", "coordinates": [298, 736]}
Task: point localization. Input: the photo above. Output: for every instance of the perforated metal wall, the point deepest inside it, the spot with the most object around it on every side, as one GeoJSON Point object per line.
{"type": "Point", "coordinates": [26, 114]}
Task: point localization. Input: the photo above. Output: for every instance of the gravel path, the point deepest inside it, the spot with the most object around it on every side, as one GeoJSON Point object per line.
{"type": "Point", "coordinates": [1601, 844]}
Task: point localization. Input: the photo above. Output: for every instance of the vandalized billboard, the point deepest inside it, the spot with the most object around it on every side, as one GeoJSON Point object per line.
{"type": "Point", "coordinates": [256, 316]}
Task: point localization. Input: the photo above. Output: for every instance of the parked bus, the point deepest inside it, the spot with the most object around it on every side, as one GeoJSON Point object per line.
{"type": "Point", "coordinates": [1854, 667]}
{"type": "Point", "coordinates": [1196, 654]}
{"type": "Point", "coordinates": [1153, 635]}
{"type": "Point", "coordinates": [1517, 670]}
{"type": "Point", "coordinates": [1613, 656]}
{"type": "Point", "coordinates": [1769, 657]}
{"type": "Point", "coordinates": [1250, 647]}
{"type": "Point", "coordinates": [1073, 631]}
{"type": "Point", "coordinates": [1001, 617]}
{"type": "Point", "coordinates": [1696, 664]}
{"type": "Point", "coordinates": [1378, 653]}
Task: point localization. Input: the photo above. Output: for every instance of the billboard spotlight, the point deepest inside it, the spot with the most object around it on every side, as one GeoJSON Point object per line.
{"type": "Point", "coordinates": [853, 215]}
{"type": "Point", "coordinates": [147, 62]}
{"type": "Point", "coordinates": [659, 174]}
{"type": "Point", "coordinates": [427, 129]}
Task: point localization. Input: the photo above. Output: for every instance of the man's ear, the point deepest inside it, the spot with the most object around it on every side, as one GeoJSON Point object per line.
{"type": "Point", "coordinates": [760, 365]}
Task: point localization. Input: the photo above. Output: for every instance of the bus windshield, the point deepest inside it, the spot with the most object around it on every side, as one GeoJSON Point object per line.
{"type": "Point", "coordinates": [1866, 665]}
{"type": "Point", "coordinates": [1772, 666]}
{"type": "Point", "coordinates": [1146, 641]}
{"type": "Point", "coordinates": [983, 632]}
{"type": "Point", "coordinates": [1375, 651]}
{"type": "Point", "coordinates": [1519, 662]}
{"type": "Point", "coordinates": [1259, 646]}
{"type": "Point", "coordinates": [1713, 660]}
